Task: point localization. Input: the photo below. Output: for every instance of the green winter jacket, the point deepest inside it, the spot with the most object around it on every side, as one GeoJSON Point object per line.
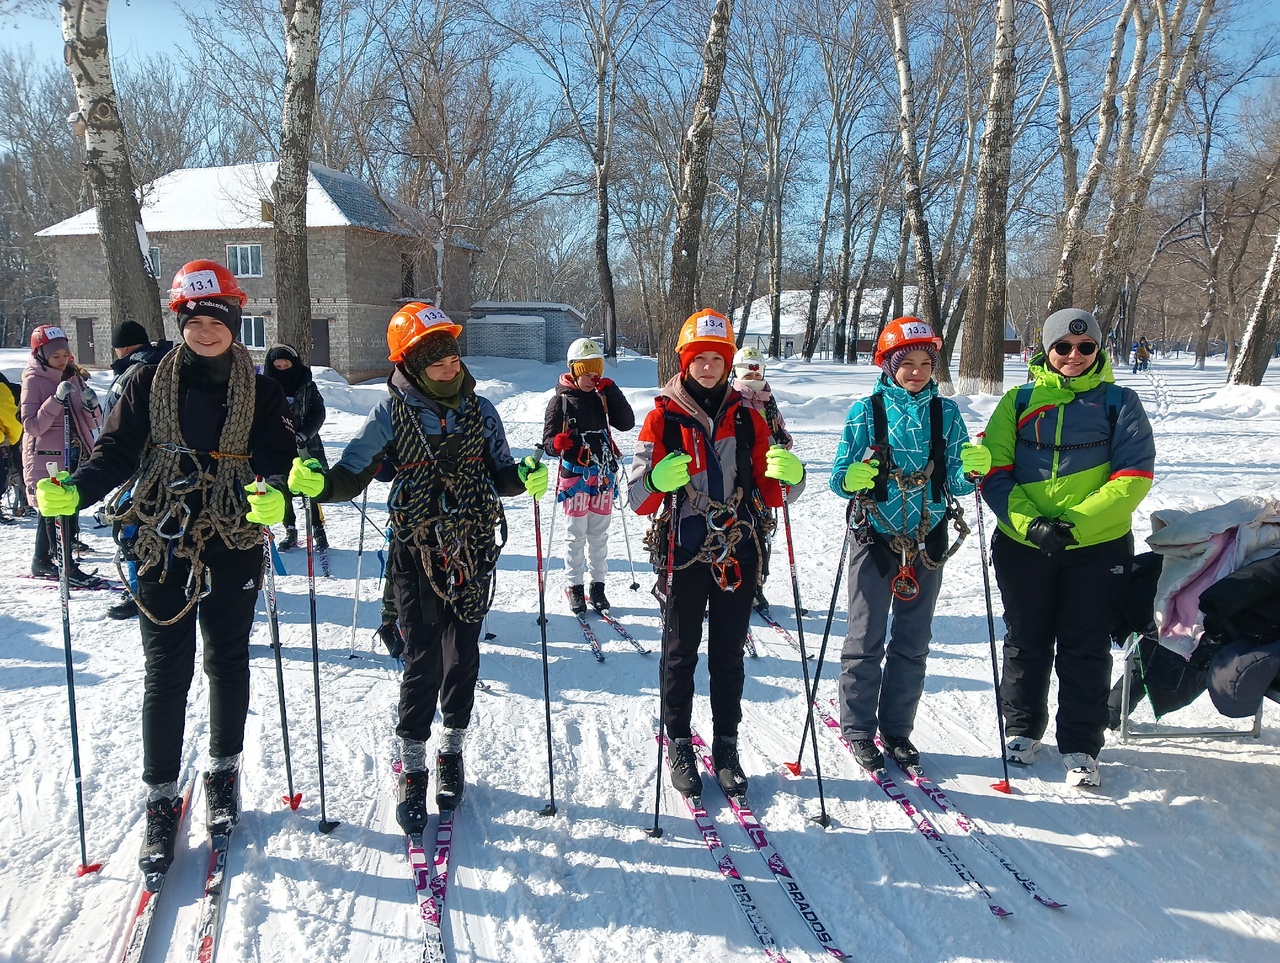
{"type": "Point", "coordinates": [1065, 458]}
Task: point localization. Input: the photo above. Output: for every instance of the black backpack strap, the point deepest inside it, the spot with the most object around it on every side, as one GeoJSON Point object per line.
{"type": "Point", "coordinates": [880, 446]}
{"type": "Point", "coordinates": [1020, 403]}
{"type": "Point", "coordinates": [744, 439]}
{"type": "Point", "coordinates": [937, 449]}
{"type": "Point", "coordinates": [1114, 399]}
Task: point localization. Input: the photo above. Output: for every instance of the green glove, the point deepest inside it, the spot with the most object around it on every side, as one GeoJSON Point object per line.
{"type": "Point", "coordinates": [861, 476]}
{"type": "Point", "coordinates": [534, 476]}
{"type": "Point", "coordinates": [783, 466]}
{"type": "Point", "coordinates": [57, 497]}
{"type": "Point", "coordinates": [306, 478]}
{"type": "Point", "coordinates": [265, 507]}
{"type": "Point", "coordinates": [670, 473]}
{"type": "Point", "coordinates": [975, 459]}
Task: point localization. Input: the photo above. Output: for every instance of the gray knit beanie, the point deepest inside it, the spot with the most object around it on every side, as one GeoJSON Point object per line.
{"type": "Point", "coordinates": [1069, 321]}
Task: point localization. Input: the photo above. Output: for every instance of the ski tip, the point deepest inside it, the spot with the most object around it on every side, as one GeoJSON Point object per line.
{"type": "Point", "coordinates": [328, 825]}
{"type": "Point", "coordinates": [1003, 786]}
{"type": "Point", "coordinates": [1050, 903]}
{"type": "Point", "coordinates": [999, 912]}
{"type": "Point", "coordinates": [293, 802]}
{"type": "Point", "coordinates": [84, 870]}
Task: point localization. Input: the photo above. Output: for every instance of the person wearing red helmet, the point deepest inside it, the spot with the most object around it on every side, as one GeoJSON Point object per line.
{"type": "Point", "coordinates": [903, 456]}
{"type": "Point", "coordinates": [184, 445]}
{"type": "Point", "coordinates": [703, 444]}
{"type": "Point", "coordinates": [452, 466]}
{"type": "Point", "coordinates": [54, 387]}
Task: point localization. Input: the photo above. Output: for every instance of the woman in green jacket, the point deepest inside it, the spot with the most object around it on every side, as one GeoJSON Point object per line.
{"type": "Point", "coordinates": [1072, 455]}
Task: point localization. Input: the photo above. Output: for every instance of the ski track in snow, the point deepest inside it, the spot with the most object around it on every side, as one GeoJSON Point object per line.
{"type": "Point", "coordinates": [1174, 859]}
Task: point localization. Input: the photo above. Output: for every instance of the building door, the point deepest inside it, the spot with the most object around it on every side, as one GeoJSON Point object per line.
{"type": "Point", "coordinates": [84, 339]}
{"type": "Point", "coordinates": [320, 342]}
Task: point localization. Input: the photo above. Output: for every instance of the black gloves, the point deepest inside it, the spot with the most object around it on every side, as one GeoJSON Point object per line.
{"type": "Point", "coordinates": [1050, 535]}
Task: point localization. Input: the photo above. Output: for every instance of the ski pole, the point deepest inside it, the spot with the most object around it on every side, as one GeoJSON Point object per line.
{"type": "Point", "coordinates": [822, 649]}
{"type": "Point", "coordinates": [326, 825]}
{"type": "Point", "coordinates": [1003, 784]}
{"type": "Point", "coordinates": [822, 819]}
{"type": "Point", "coordinates": [293, 800]}
{"type": "Point", "coordinates": [355, 609]}
{"type": "Point", "coordinates": [626, 537]}
{"type": "Point", "coordinates": [668, 617]}
{"type": "Point", "coordinates": [550, 808]}
{"type": "Point", "coordinates": [64, 589]}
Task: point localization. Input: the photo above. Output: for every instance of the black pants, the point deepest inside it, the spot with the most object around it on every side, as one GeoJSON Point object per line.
{"type": "Point", "coordinates": [695, 593]}
{"type": "Point", "coordinates": [291, 519]}
{"type": "Point", "coordinates": [1058, 612]}
{"type": "Point", "coordinates": [441, 652]}
{"type": "Point", "coordinates": [47, 547]}
{"type": "Point", "coordinates": [226, 617]}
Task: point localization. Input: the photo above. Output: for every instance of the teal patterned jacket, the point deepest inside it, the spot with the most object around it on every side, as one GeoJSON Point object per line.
{"type": "Point", "coordinates": [907, 416]}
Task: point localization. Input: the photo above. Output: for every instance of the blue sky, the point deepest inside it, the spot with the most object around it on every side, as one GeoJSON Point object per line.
{"type": "Point", "coordinates": [135, 29]}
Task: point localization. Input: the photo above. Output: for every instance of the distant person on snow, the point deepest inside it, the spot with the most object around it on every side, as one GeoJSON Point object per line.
{"type": "Point", "coordinates": [715, 454]}
{"type": "Point", "coordinates": [307, 411]}
{"type": "Point", "coordinates": [452, 466]}
{"type": "Point", "coordinates": [748, 381]}
{"type": "Point", "coordinates": [576, 428]}
{"type": "Point", "coordinates": [133, 349]}
{"type": "Point", "coordinates": [52, 383]}
{"type": "Point", "coordinates": [184, 444]}
{"type": "Point", "coordinates": [903, 457]}
{"type": "Point", "coordinates": [1072, 456]}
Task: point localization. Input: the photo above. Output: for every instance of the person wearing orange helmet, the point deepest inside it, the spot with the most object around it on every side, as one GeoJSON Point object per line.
{"type": "Point", "coordinates": [703, 444]}
{"type": "Point", "coordinates": [185, 444]}
{"type": "Point", "coordinates": [452, 465]}
{"type": "Point", "coordinates": [54, 387]}
{"type": "Point", "coordinates": [903, 456]}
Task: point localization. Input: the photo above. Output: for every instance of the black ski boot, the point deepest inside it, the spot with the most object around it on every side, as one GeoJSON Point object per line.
{"type": "Point", "coordinates": [684, 768]}
{"type": "Point", "coordinates": [389, 633]}
{"type": "Point", "coordinates": [127, 609]}
{"type": "Point", "coordinates": [577, 600]}
{"type": "Point", "coordinates": [411, 813]}
{"type": "Point", "coordinates": [163, 816]}
{"type": "Point", "coordinates": [290, 540]}
{"type": "Point", "coordinates": [78, 578]}
{"type": "Point", "coordinates": [319, 539]}
{"type": "Point", "coordinates": [222, 800]}
{"type": "Point", "coordinates": [760, 603]}
{"type": "Point", "coordinates": [903, 752]}
{"type": "Point", "coordinates": [598, 600]}
{"type": "Point", "coordinates": [449, 780]}
{"type": "Point", "coordinates": [867, 755]}
{"type": "Point", "coordinates": [44, 568]}
{"type": "Point", "coordinates": [724, 756]}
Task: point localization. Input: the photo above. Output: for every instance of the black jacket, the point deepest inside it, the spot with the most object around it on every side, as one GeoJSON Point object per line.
{"type": "Point", "coordinates": [582, 415]}
{"type": "Point", "coordinates": [126, 367]}
{"type": "Point", "coordinates": [203, 411]}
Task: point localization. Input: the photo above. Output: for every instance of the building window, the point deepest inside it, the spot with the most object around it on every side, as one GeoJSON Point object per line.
{"type": "Point", "coordinates": [245, 260]}
{"type": "Point", "coordinates": [153, 255]}
{"type": "Point", "coordinates": [253, 331]}
{"type": "Point", "coordinates": [408, 279]}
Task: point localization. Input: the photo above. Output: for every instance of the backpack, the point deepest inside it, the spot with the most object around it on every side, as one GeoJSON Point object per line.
{"type": "Point", "coordinates": [937, 464]}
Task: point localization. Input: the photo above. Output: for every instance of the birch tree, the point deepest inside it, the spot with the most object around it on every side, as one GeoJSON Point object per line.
{"type": "Point", "coordinates": [133, 290]}
{"type": "Point", "coordinates": [1262, 329]}
{"type": "Point", "coordinates": [982, 358]}
{"type": "Point", "coordinates": [289, 192]}
{"type": "Point", "coordinates": [692, 193]}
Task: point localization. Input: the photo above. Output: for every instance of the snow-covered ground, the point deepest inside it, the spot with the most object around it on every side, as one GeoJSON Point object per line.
{"type": "Point", "coordinates": [1176, 858]}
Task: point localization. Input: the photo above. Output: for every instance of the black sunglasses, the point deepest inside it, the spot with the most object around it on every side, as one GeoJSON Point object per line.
{"type": "Point", "coordinates": [1063, 348]}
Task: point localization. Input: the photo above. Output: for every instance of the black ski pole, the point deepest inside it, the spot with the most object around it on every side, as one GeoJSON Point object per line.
{"type": "Point", "coordinates": [355, 609]}
{"type": "Point", "coordinates": [64, 589]}
{"type": "Point", "coordinates": [550, 808]}
{"type": "Point", "coordinates": [1003, 784]}
{"type": "Point", "coordinates": [293, 800]}
{"type": "Point", "coordinates": [326, 825]}
{"type": "Point", "coordinates": [822, 649]}
{"type": "Point", "coordinates": [822, 819]}
{"type": "Point", "coordinates": [668, 618]}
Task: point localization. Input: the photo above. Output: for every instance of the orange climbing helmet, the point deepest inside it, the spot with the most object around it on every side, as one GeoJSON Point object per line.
{"type": "Point", "coordinates": [412, 323]}
{"type": "Point", "coordinates": [904, 333]}
{"type": "Point", "coordinates": [705, 330]}
{"type": "Point", "coordinates": [204, 279]}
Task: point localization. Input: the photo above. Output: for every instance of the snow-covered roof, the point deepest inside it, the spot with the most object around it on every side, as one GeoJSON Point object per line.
{"type": "Point", "coordinates": [230, 199]}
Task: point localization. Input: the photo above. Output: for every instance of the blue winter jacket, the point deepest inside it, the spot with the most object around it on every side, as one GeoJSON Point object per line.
{"type": "Point", "coordinates": [907, 421]}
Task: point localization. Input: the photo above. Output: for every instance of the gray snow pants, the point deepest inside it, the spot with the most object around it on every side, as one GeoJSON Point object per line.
{"type": "Point", "coordinates": [879, 690]}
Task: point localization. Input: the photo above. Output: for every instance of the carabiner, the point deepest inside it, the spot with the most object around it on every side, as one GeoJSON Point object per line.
{"type": "Point", "coordinates": [184, 515]}
{"type": "Point", "coordinates": [719, 518]}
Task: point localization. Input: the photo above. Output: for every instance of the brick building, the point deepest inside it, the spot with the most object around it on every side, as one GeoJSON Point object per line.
{"type": "Point", "coordinates": [366, 256]}
{"type": "Point", "coordinates": [534, 330]}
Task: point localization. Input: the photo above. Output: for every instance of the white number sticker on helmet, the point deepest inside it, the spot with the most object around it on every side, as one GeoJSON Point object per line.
{"type": "Point", "coordinates": [711, 326]}
{"type": "Point", "coordinates": [432, 315]}
{"type": "Point", "coordinates": [51, 332]}
{"type": "Point", "coordinates": [199, 283]}
{"type": "Point", "coordinates": [917, 330]}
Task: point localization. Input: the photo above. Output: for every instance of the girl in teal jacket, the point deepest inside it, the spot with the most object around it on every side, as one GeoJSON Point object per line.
{"type": "Point", "coordinates": [917, 457]}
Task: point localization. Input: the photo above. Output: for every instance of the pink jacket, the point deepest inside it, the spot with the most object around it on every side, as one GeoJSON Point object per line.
{"type": "Point", "coordinates": [41, 414]}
